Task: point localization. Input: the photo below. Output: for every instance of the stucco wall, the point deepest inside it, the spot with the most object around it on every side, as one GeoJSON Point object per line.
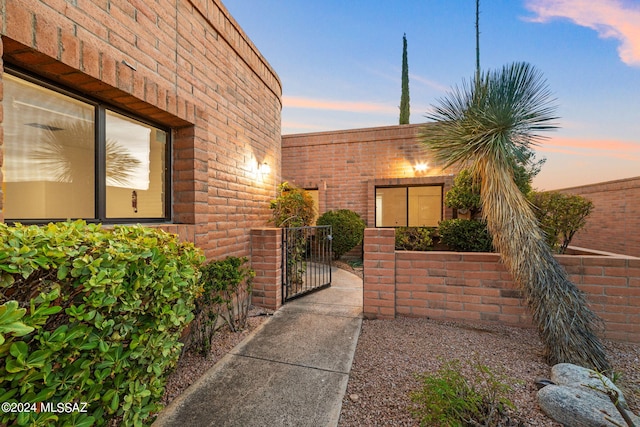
{"type": "Point", "coordinates": [346, 166]}
{"type": "Point", "coordinates": [614, 224]}
{"type": "Point", "coordinates": [185, 64]}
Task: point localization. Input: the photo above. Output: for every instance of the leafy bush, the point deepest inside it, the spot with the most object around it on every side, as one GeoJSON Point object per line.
{"type": "Point", "coordinates": [561, 216]}
{"type": "Point", "coordinates": [347, 230]}
{"type": "Point", "coordinates": [465, 194]}
{"type": "Point", "coordinates": [92, 315]}
{"type": "Point", "coordinates": [465, 235]}
{"type": "Point", "coordinates": [293, 207]}
{"type": "Point", "coordinates": [226, 296]}
{"type": "Point", "coordinates": [414, 238]}
{"type": "Point", "coordinates": [448, 398]}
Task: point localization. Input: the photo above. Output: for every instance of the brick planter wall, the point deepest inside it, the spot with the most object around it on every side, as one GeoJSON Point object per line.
{"type": "Point", "coordinates": [476, 286]}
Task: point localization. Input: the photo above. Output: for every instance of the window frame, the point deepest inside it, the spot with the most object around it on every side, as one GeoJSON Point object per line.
{"type": "Point", "coordinates": [100, 181]}
{"type": "Point", "coordinates": [406, 188]}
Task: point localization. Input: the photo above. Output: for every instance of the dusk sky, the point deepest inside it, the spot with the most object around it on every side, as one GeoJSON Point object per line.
{"type": "Point", "coordinates": [340, 66]}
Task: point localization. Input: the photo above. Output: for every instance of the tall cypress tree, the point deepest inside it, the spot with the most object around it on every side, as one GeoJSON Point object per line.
{"type": "Point", "coordinates": [404, 98]}
{"type": "Point", "coordinates": [477, 40]}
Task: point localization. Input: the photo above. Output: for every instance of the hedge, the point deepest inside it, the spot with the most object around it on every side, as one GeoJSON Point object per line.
{"type": "Point", "coordinates": [91, 315]}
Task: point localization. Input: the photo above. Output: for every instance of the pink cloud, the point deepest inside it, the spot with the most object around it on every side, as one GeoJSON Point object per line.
{"type": "Point", "coordinates": [616, 19]}
{"type": "Point", "coordinates": [626, 150]}
{"type": "Point", "coordinates": [349, 106]}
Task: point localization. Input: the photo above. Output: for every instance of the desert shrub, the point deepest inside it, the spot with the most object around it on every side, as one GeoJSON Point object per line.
{"type": "Point", "coordinates": [414, 238]}
{"type": "Point", "coordinates": [292, 207]}
{"type": "Point", "coordinates": [448, 398]}
{"type": "Point", "coordinates": [225, 300]}
{"type": "Point", "coordinates": [465, 235]}
{"type": "Point", "coordinates": [92, 315]}
{"type": "Point", "coordinates": [347, 230]}
{"type": "Point", "coordinates": [560, 216]}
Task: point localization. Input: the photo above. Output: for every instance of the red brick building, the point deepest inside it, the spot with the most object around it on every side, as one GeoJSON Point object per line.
{"type": "Point", "coordinates": [158, 112]}
{"type": "Point", "coordinates": [382, 173]}
{"type": "Point", "coordinates": [169, 115]}
{"type": "Point", "coordinates": [354, 169]}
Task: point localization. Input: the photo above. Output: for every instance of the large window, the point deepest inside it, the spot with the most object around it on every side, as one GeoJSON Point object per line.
{"type": "Point", "coordinates": [419, 206]}
{"type": "Point", "coordinates": [67, 157]}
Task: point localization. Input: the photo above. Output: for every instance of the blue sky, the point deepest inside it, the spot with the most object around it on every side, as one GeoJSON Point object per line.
{"type": "Point", "coordinates": [340, 64]}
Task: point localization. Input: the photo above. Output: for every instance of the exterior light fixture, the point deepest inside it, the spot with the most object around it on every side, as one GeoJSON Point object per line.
{"type": "Point", "coordinates": [264, 169]}
{"type": "Point", "coordinates": [421, 167]}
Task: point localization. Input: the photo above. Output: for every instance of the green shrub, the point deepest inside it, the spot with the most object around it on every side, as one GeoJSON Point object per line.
{"type": "Point", "coordinates": [347, 230]}
{"type": "Point", "coordinates": [464, 194]}
{"type": "Point", "coordinates": [414, 238]}
{"type": "Point", "coordinates": [560, 216]}
{"type": "Point", "coordinates": [447, 398]}
{"type": "Point", "coordinates": [465, 235]}
{"type": "Point", "coordinates": [225, 300]}
{"type": "Point", "coordinates": [99, 318]}
{"type": "Point", "coordinates": [293, 207]}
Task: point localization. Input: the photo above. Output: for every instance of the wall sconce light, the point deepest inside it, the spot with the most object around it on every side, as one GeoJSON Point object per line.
{"type": "Point", "coordinates": [264, 169]}
{"type": "Point", "coordinates": [421, 167]}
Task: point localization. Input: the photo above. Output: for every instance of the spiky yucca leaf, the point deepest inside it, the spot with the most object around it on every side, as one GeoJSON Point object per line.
{"type": "Point", "coordinates": [490, 124]}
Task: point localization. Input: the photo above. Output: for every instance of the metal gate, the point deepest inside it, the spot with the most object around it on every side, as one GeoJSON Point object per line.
{"type": "Point", "coordinates": [306, 260]}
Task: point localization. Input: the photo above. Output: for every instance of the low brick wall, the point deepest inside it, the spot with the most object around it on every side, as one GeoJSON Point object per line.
{"type": "Point", "coordinates": [476, 286]}
{"type": "Point", "coordinates": [266, 261]}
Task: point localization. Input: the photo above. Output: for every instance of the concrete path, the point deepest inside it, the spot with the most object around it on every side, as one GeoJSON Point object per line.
{"type": "Point", "coordinates": [291, 371]}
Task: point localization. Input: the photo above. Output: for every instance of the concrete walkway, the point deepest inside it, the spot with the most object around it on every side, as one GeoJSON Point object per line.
{"type": "Point", "coordinates": [291, 371]}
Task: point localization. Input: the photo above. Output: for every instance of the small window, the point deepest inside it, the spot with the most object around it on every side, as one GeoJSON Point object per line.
{"type": "Point", "coordinates": [66, 157]}
{"type": "Point", "coordinates": [419, 206]}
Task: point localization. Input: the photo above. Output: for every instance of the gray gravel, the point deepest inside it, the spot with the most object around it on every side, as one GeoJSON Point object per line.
{"type": "Point", "coordinates": [391, 352]}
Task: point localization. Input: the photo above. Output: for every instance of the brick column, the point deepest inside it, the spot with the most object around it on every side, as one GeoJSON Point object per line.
{"type": "Point", "coordinates": [266, 261]}
{"type": "Point", "coordinates": [379, 273]}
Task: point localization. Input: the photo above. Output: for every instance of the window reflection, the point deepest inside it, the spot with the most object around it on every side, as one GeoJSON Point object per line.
{"type": "Point", "coordinates": [135, 168]}
{"type": "Point", "coordinates": [49, 153]}
{"type": "Point", "coordinates": [53, 145]}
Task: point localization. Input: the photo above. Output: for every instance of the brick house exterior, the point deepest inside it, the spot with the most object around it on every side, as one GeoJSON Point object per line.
{"type": "Point", "coordinates": [347, 166]}
{"type": "Point", "coordinates": [187, 66]}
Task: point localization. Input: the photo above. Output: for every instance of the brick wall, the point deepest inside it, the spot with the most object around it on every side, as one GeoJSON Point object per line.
{"type": "Point", "coordinates": [614, 224]}
{"type": "Point", "coordinates": [380, 267]}
{"type": "Point", "coordinates": [266, 261]}
{"type": "Point", "coordinates": [476, 286]}
{"type": "Point", "coordinates": [187, 65]}
{"type": "Point", "coordinates": [346, 166]}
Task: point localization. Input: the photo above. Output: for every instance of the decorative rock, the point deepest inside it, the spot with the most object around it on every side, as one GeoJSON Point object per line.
{"type": "Point", "coordinates": [354, 397]}
{"type": "Point", "coordinates": [574, 403]}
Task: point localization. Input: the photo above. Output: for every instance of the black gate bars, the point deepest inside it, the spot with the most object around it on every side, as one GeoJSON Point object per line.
{"type": "Point", "coordinates": [306, 259]}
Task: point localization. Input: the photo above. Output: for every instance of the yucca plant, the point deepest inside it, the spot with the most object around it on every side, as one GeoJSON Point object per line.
{"type": "Point", "coordinates": [490, 124]}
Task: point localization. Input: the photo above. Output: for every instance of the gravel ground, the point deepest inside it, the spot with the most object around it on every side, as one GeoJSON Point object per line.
{"type": "Point", "coordinates": [391, 352]}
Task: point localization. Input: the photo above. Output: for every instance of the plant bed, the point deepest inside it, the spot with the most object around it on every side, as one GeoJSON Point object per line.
{"type": "Point", "coordinates": [390, 353]}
